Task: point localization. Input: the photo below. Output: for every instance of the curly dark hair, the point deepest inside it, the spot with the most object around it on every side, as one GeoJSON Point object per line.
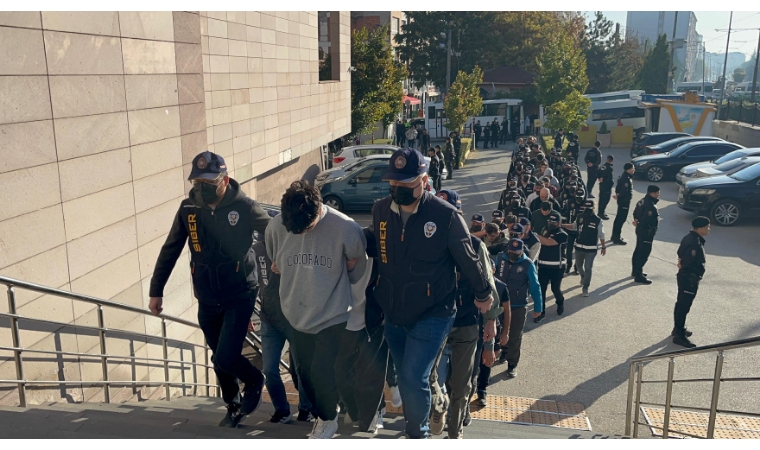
{"type": "Point", "coordinates": [300, 205]}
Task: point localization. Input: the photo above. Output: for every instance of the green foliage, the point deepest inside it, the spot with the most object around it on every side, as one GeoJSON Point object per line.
{"type": "Point", "coordinates": [739, 74]}
{"type": "Point", "coordinates": [463, 100]}
{"type": "Point", "coordinates": [464, 150]}
{"type": "Point", "coordinates": [325, 68]}
{"type": "Point", "coordinates": [561, 70]}
{"type": "Point", "coordinates": [376, 91]}
{"type": "Point", "coordinates": [612, 62]}
{"type": "Point", "coordinates": [653, 75]}
{"type": "Point", "coordinates": [603, 129]}
{"type": "Point", "coordinates": [569, 113]}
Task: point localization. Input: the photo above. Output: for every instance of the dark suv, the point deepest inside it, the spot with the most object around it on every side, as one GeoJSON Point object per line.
{"type": "Point", "coordinates": [652, 139]}
{"type": "Point", "coordinates": [726, 198]}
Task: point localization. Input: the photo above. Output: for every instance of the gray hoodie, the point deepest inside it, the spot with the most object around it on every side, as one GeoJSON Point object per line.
{"type": "Point", "coordinates": [315, 286]}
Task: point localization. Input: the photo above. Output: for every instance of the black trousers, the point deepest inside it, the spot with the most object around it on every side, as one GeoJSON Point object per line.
{"type": "Point", "coordinates": [642, 251]}
{"type": "Point", "coordinates": [486, 140]}
{"type": "Point", "coordinates": [477, 139]}
{"type": "Point", "coordinates": [317, 355]}
{"type": "Point", "coordinates": [604, 199]}
{"type": "Point", "coordinates": [516, 326]}
{"type": "Point", "coordinates": [553, 275]}
{"type": "Point", "coordinates": [481, 374]}
{"type": "Point", "coordinates": [436, 183]}
{"type": "Point", "coordinates": [225, 327]}
{"type": "Point", "coordinates": [569, 250]}
{"type": "Point", "coordinates": [687, 290]}
{"type": "Point", "coordinates": [360, 373]}
{"type": "Point", "coordinates": [591, 173]}
{"type": "Point", "coordinates": [450, 168]}
{"type": "Point", "coordinates": [620, 217]}
{"type": "Point", "coordinates": [495, 139]}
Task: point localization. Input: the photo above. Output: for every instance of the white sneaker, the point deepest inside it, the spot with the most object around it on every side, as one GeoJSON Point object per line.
{"type": "Point", "coordinates": [379, 417]}
{"type": "Point", "coordinates": [324, 429]}
{"type": "Point", "coordinates": [396, 401]}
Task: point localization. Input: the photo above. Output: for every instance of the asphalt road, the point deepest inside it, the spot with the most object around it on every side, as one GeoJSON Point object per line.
{"type": "Point", "coordinates": [582, 356]}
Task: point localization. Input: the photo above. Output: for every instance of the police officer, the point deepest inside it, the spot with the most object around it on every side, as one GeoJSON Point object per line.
{"type": "Point", "coordinates": [570, 211]}
{"type": "Point", "coordinates": [520, 275]}
{"type": "Point", "coordinates": [449, 155]}
{"type": "Point", "coordinates": [558, 138]}
{"type": "Point", "coordinates": [691, 269]}
{"type": "Point", "coordinates": [436, 169]}
{"type": "Point", "coordinates": [550, 261]}
{"type": "Point", "coordinates": [590, 232]}
{"type": "Point", "coordinates": [573, 148]}
{"type": "Point", "coordinates": [421, 238]}
{"type": "Point", "coordinates": [516, 207]}
{"type": "Point", "coordinates": [606, 182]}
{"type": "Point", "coordinates": [219, 220]}
{"type": "Point", "coordinates": [457, 148]}
{"type": "Point", "coordinates": [645, 219]}
{"type": "Point", "coordinates": [497, 217]}
{"type": "Point", "coordinates": [593, 159]}
{"type": "Point", "coordinates": [530, 239]}
{"type": "Point", "coordinates": [623, 195]}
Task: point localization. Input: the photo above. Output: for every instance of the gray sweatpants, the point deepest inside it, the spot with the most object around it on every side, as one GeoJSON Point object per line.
{"type": "Point", "coordinates": [584, 262]}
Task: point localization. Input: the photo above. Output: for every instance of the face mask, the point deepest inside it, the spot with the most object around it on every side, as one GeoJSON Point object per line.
{"type": "Point", "coordinates": [513, 256]}
{"type": "Point", "coordinates": [402, 195]}
{"type": "Point", "coordinates": [208, 193]}
{"type": "Point", "coordinates": [515, 204]}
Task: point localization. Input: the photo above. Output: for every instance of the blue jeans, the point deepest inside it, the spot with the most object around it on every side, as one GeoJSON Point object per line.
{"type": "Point", "coordinates": [414, 352]}
{"type": "Point", "coordinates": [272, 343]}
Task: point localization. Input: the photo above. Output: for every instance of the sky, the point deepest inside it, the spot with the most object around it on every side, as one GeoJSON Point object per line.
{"type": "Point", "coordinates": [707, 22]}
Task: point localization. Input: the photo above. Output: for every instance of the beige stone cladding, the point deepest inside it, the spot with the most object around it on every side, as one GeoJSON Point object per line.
{"type": "Point", "coordinates": [101, 114]}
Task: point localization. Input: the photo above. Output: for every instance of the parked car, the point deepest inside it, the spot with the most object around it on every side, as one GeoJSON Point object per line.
{"type": "Point", "coordinates": [726, 199]}
{"type": "Point", "coordinates": [672, 144]}
{"type": "Point", "coordinates": [344, 169]}
{"type": "Point", "coordinates": [688, 172]}
{"type": "Point", "coordinates": [666, 165]}
{"type": "Point", "coordinates": [357, 190]}
{"type": "Point", "coordinates": [354, 152]}
{"type": "Point", "coordinates": [653, 138]}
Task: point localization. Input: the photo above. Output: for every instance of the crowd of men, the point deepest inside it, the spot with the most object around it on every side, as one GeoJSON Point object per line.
{"type": "Point", "coordinates": [419, 299]}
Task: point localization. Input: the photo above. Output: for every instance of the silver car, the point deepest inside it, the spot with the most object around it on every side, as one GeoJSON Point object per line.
{"type": "Point", "coordinates": [689, 172]}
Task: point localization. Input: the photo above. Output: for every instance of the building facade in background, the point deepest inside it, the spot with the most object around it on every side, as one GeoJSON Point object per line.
{"type": "Point", "coordinates": [101, 114]}
{"type": "Point", "coordinates": [647, 26]}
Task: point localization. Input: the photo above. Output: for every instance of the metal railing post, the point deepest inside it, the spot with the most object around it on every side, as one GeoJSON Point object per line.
{"type": "Point", "coordinates": [715, 395]}
{"type": "Point", "coordinates": [637, 404]}
{"type": "Point", "coordinates": [629, 402]}
{"type": "Point", "coordinates": [166, 359]}
{"type": "Point", "coordinates": [16, 339]}
{"type": "Point", "coordinates": [103, 357]}
{"type": "Point", "coordinates": [668, 397]}
{"type": "Point", "coordinates": [208, 380]}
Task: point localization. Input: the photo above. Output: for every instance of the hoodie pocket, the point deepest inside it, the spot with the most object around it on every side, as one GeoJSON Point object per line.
{"type": "Point", "coordinates": [383, 294]}
{"type": "Point", "coordinates": [416, 299]}
{"type": "Point", "coordinates": [230, 275]}
{"type": "Point", "coordinates": [201, 276]}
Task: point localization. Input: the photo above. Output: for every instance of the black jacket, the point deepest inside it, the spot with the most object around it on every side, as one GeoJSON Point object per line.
{"type": "Point", "coordinates": [416, 275]}
{"type": "Point", "coordinates": [222, 259]}
{"type": "Point", "coordinates": [436, 167]}
{"type": "Point", "coordinates": [478, 129]}
{"type": "Point", "coordinates": [624, 188]}
{"type": "Point", "coordinates": [593, 156]}
{"type": "Point", "coordinates": [606, 175]}
{"type": "Point", "coordinates": [573, 150]}
{"type": "Point", "coordinates": [691, 252]}
{"type": "Point", "coordinates": [558, 140]}
{"type": "Point", "coordinates": [457, 144]}
{"type": "Point", "coordinates": [647, 215]}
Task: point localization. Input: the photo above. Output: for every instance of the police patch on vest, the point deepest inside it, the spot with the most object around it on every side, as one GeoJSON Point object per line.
{"type": "Point", "coordinates": [233, 217]}
{"type": "Point", "coordinates": [430, 228]}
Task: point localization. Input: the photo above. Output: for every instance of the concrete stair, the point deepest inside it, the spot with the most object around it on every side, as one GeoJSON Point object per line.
{"type": "Point", "coordinates": [197, 417]}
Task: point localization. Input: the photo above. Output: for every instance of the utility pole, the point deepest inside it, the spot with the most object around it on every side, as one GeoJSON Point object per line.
{"type": "Point", "coordinates": [671, 70]}
{"type": "Point", "coordinates": [725, 63]}
{"type": "Point", "coordinates": [703, 72]}
{"type": "Point", "coordinates": [755, 82]}
{"type": "Point", "coordinates": [448, 61]}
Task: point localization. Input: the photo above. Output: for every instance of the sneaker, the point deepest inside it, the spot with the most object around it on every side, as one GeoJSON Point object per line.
{"type": "Point", "coordinates": [396, 401]}
{"type": "Point", "coordinates": [304, 416]}
{"type": "Point", "coordinates": [379, 418]}
{"type": "Point", "coordinates": [687, 332]}
{"type": "Point", "coordinates": [540, 318]}
{"type": "Point", "coordinates": [605, 217]}
{"type": "Point", "coordinates": [482, 400]}
{"type": "Point", "coordinates": [233, 417]}
{"type": "Point", "coordinates": [574, 272]}
{"type": "Point", "coordinates": [511, 372]}
{"type": "Point", "coordinates": [279, 417]}
{"type": "Point", "coordinates": [585, 292]}
{"type": "Point", "coordinates": [560, 309]}
{"type": "Point", "coordinates": [438, 420]}
{"type": "Point", "coordinates": [467, 417]}
{"type": "Point", "coordinates": [324, 429]}
{"type": "Point", "coordinates": [619, 241]}
{"type": "Point", "coordinates": [503, 357]}
{"type": "Point", "coordinates": [683, 341]}
{"type": "Point", "coordinates": [252, 398]}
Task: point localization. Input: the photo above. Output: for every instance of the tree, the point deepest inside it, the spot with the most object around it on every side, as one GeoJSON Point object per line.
{"type": "Point", "coordinates": [739, 74]}
{"type": "Point", "coordinates": [596, 47]}
{"type": "Point", "coordinates": [625, 62]}
{"type": "Point", "coordinates": [569, 113]}
{"type": "Point", "coordinates": [653, 75]}
{"type": "Point", "coordinates": [463, 100]}
{"type": "Point", "coordinates": [561, 70]}
{"type": "Point", "coordinates": [376, 89]}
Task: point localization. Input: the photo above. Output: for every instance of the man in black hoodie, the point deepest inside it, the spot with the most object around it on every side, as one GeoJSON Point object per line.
{"type": "Point", "coordinates": [218, 222]}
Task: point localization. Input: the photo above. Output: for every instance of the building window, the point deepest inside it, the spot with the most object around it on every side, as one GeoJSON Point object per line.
{"type": "Point", "coordinates": [394, 26]}
{"type": "Point", "coordinates": [327, 37]}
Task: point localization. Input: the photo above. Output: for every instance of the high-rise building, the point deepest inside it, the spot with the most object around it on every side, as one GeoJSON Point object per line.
{"type": "Point", "coordinates": [646, 26]}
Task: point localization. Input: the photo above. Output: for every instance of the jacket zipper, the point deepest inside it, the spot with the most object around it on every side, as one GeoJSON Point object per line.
{"type": "Point", "coordinates": [428, 292]}
{"type": "Point", "coordinates": [369, 337]}
{"type": "Point", "coordinates": [237, 267]}
{"type": "Point", "coordinates": [402, 233]}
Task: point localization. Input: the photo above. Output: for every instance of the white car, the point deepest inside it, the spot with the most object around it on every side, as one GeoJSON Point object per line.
{"type": "Point", "coordinates": [689, 172]}
{"type": "Point", "coordinates": [355, 152]}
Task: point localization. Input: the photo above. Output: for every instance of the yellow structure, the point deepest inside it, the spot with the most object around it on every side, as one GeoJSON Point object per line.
{"type": "Point", "coordinates": [621, 136]}
{"type": "Point", "coordinates": [587, 136]}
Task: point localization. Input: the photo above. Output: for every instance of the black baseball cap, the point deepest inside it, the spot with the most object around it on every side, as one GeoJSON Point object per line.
{"type": "Point", "coordinates": [207, 166]}
{"type": "Point", "coordinates": [406, 164]}
{"type": "Point", "coordinates": [451, 197]}
{"type": "Point", "coordinates": [477, 218]}
{"type": "Point", "coordinates": [497, 214]}
{"type": "Point", "coordinates": [553, 218]}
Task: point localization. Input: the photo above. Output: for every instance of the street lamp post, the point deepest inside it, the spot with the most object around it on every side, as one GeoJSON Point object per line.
{"type": "Point", "coordinates": [725, 63]}
{"type": "Point", "coordinates": [671, 70]}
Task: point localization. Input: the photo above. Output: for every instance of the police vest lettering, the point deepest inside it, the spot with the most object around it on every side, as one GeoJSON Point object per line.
{"type": "Point", "coordinates": [309, 259]}
{"type": "Point", "coordinates": [588, 231]}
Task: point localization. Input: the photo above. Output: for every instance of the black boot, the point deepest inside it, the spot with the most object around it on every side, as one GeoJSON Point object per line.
{"type": "Point", "coordinates": [233, 417]}
{"type": "Point", "coordinates": [683, 341]}
{"type": "Point", "coordinates": [642, 279]}
{"type": "Point", "coordinates": [686, 332]}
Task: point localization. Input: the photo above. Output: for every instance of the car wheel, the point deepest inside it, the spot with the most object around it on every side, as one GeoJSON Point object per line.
{"type": "Point", "coordinates": [655, 174]}
{"type": "Point", "coordinates": [334, 203]}
{"type": "Point", "coordinates": [725, 213]}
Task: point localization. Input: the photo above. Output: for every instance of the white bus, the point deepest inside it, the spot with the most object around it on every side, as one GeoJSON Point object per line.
{"type": "Point", "coordinates": [616, 108]}
{"type": "Point", "coordinates": [697, 87]}
{"type": "Point", "coordinates": [435, 117]}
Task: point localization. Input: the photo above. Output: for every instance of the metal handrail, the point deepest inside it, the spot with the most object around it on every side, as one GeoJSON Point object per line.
{"type": "Point", "coordinates": [251, 339]}
{"type": "Point", "coordinates": [635, 379]}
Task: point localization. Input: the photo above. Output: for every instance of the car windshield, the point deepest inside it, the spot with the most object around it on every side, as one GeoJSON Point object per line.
{"type": "Point", "coordinates": [747, 174]}
{"type": "Point", "coordinates": [730, 165]}
{"type": "Point", "coordinates": [680, 150]}
{"type": "Point", "coordinates": [731, 156]}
